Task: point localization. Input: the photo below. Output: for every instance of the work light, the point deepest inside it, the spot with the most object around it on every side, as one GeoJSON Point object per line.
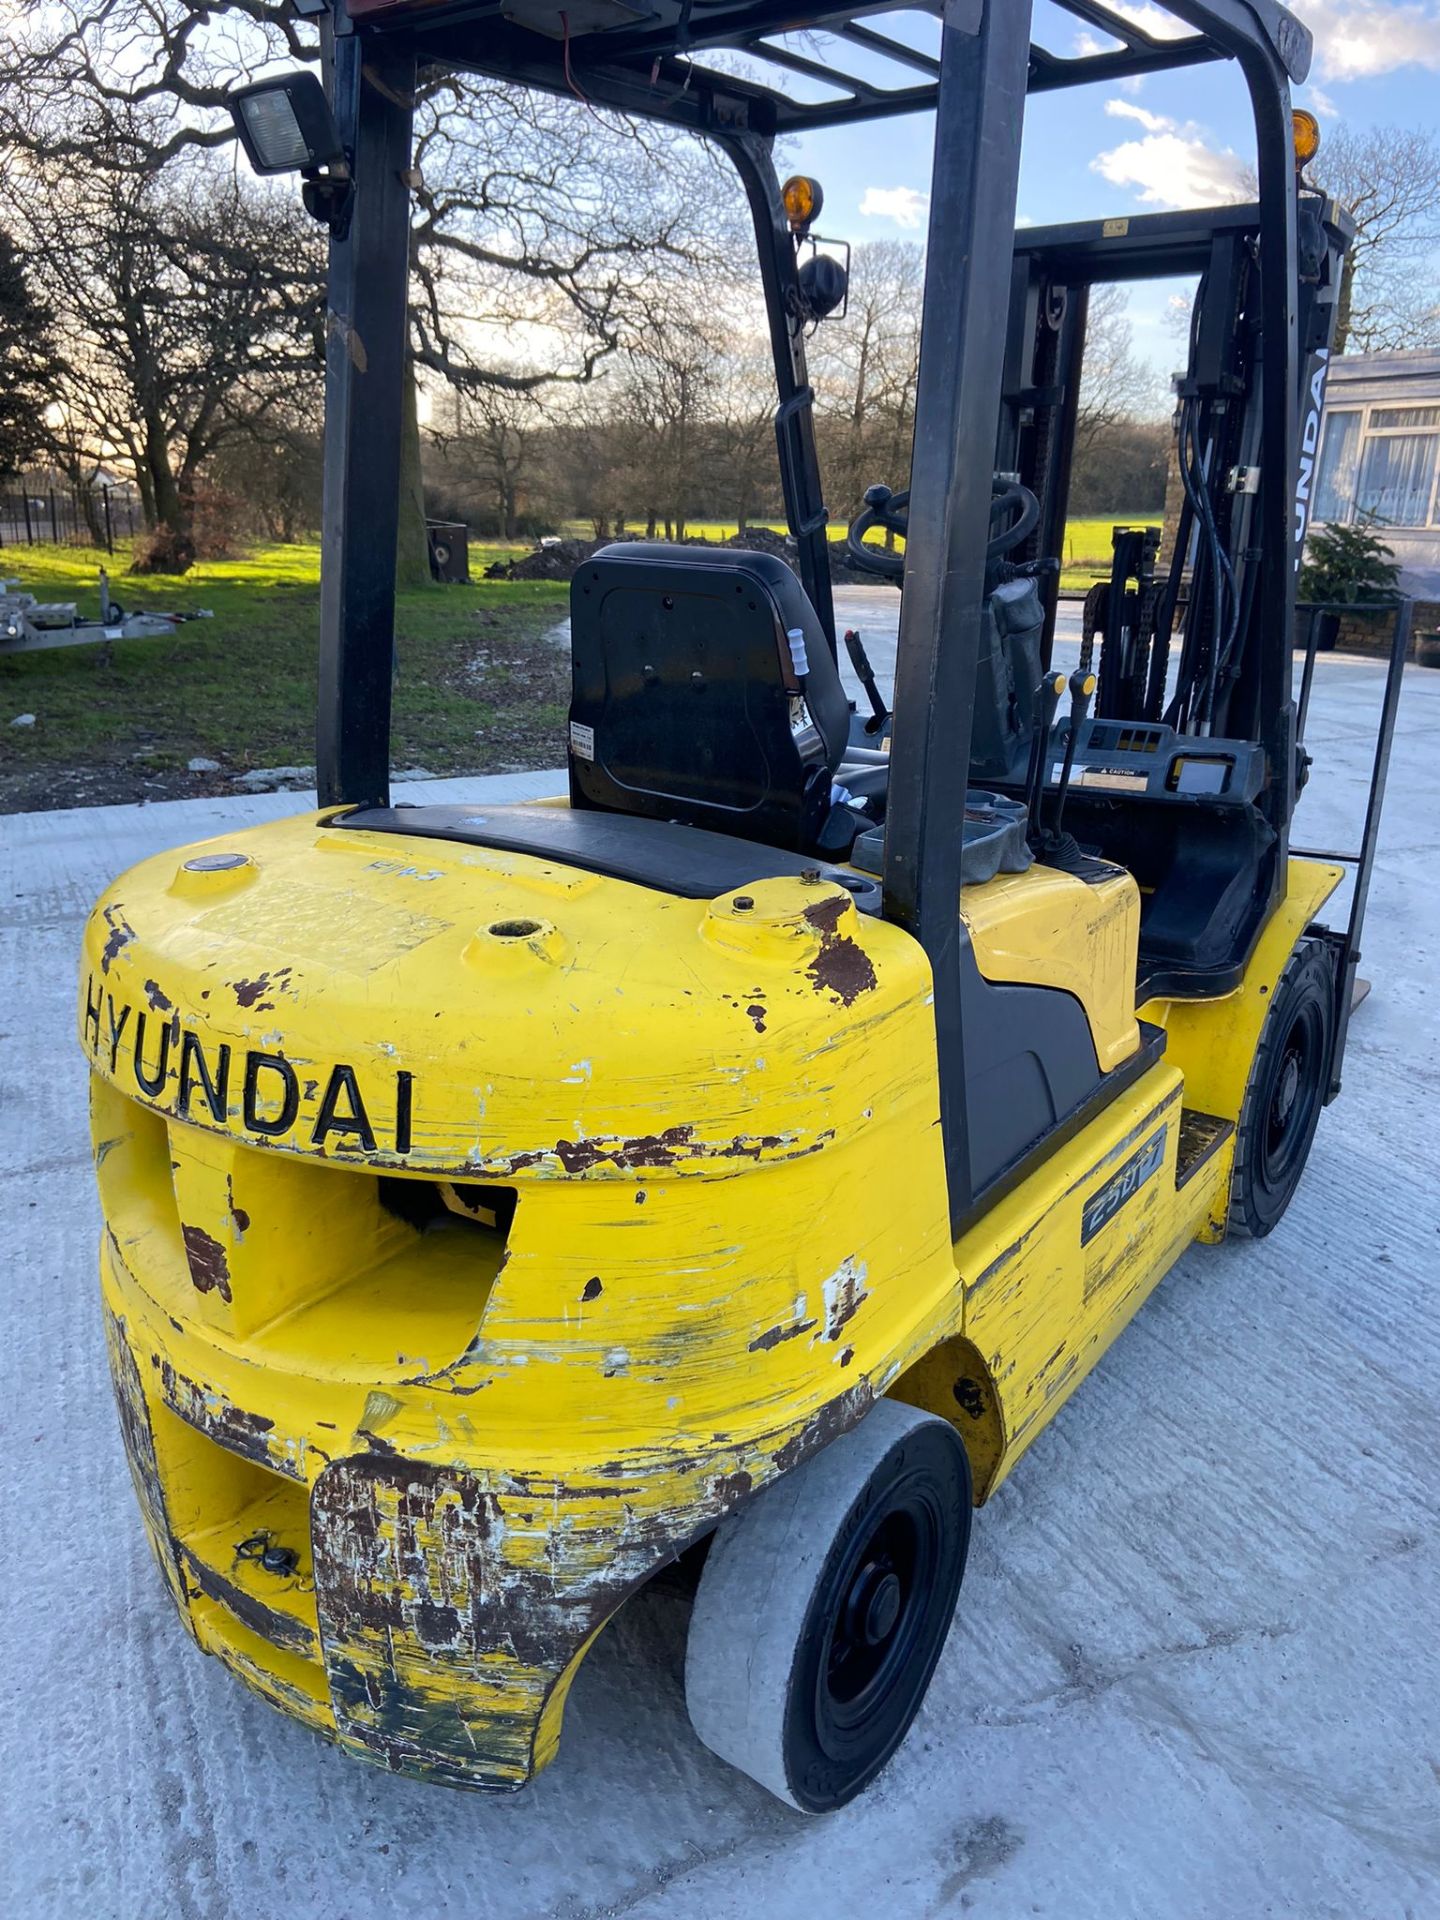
{"type": "Point", "coordinates": [803, 200]}
{"type": "Point", "coordinates": [285, 124]}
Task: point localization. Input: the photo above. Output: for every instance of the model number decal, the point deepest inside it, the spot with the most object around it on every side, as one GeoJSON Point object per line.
{"type": "Point", "coordinates": [1102, 1207]}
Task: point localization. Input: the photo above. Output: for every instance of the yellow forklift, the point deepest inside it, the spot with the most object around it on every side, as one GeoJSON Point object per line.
{"type": "Point", "coordinates": [738, 1161]}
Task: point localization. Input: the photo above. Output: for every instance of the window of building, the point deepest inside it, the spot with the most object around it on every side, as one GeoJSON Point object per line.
{"type": "Point", "coordinates": [1339, 467]}
{"type": "Point", "coordinates": [1380, 466]}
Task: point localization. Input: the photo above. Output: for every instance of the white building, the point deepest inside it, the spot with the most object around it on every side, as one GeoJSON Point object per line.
{"type": "Point", "coordinates": [1380, 458]}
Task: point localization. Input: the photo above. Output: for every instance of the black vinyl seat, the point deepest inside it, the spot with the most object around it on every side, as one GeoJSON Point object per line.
{"type": "Point", "coordinates": [704, 691]}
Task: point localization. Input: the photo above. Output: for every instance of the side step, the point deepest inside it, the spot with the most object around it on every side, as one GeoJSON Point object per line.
{"type": "Point", "coordinates": [1201, 1136]}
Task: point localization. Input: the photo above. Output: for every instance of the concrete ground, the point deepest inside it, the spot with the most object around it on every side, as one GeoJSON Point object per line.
{"type": "Point", "coordinates": [1194, 1674]}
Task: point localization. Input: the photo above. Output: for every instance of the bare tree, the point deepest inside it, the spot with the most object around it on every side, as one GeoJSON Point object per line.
{"type": "Point", "coordinates": [30, 367]}
{"type": "Point", "coordinates": [539, 223]}
{"type": "Point", "coordinates": [667, 394]}
{"type": "Point", "coordinates": [1389, 179]}
{"type": "Point", "coordinates": [490, 439]}
{"type": "Point", "coordinates": [188, 305]}
{"type": "Point", "coordinates": [1116, 385]}
{"type": "Point", "coordinates": [743, 429]}
{"type": "Point", "coordinates": [868, 364]}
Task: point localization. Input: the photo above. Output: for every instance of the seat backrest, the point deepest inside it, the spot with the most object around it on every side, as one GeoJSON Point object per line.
{"type": "Point", "coordinates": [704, 691]}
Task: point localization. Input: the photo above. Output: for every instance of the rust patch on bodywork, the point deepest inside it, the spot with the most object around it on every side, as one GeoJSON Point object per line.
{"type": "Point", "coordinates": [675, 1146]}
{"type": "Point", "coordinates": [732, 1487]}
{"type": "Point", "coordinates": [209, 1269]}
{"type": "Point", "coordinates": [845, 1293]}
{"type": "Point", "coordinates": [842, 966]}
{"type": "Point", "coordinates": [248, 992]}
{"type": "Point", "coordinates": [219, 1419]}
{"type": "Point", "coordinates": [774, 1335]}
{"type": "Point", "coordinates": [119, 937]}
{"type": "Point", "coordinates": [280, 1629]}
{"type": "Point", "coordinates": [238, 1215]}
{"type": "Point", "coordinates": [139, 1441]}
{"type": "Point", "coordinates": [834, 1418]}
{"type": "Point", "coordinates": [159, 1002]}
{"type": "Point", "coordinates": [646, 1150]}
{"type": "Point", "coordinates": [451, 1607]}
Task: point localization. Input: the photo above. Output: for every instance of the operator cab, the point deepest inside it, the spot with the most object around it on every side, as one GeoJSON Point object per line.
{"type": "Point", "coordinates": [710, 744]}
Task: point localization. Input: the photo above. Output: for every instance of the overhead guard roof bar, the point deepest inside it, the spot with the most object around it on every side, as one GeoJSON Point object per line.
{"type": "Point", "coordinates": [656, 68]}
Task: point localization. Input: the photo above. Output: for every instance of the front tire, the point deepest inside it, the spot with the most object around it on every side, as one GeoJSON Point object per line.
{"type": "Point", "coordinates": [824, 1605]}
{"type": "Point", "coordinates": [1286, 1091]}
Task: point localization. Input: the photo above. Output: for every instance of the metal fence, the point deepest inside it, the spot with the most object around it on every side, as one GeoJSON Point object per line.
{"type": "Point", "coordinates": [35, 514]}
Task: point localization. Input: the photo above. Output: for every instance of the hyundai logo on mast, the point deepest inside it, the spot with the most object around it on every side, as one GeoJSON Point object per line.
{"type": "Point", "coordinates": [1309, 451]}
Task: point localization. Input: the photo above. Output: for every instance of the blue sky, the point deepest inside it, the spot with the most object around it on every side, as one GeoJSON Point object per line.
{"type": "Point", "coordinates": [1175, 139]}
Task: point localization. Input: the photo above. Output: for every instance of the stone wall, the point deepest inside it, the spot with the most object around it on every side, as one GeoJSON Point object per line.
{"type": "Point", "coordinates": [1362, 632]}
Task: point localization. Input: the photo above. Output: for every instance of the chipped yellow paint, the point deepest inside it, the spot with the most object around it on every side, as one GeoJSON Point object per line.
{"type": "Point", "coordinates": [401, 1455]}
{"type": "Point", "coordinates": [1049, 929]}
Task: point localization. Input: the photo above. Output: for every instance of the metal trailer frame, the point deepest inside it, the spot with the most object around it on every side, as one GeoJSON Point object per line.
{"type": "Point", "coordinates": [987, 65]}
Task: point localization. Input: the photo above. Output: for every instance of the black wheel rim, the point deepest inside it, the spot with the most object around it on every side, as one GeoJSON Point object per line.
{"type": "Point", "coordinates": [881, 1625]}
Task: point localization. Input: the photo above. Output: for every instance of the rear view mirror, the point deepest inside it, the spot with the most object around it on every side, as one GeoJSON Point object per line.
{"type": "Point", "coordinates": [824, 285]}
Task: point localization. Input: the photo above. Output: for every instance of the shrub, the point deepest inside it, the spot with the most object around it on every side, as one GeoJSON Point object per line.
{"type": "Point", "coordinates": [1347, 564]}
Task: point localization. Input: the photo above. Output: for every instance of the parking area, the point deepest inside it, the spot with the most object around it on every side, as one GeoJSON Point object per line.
{"type": "Point", "coordinates": [1196, 1666]}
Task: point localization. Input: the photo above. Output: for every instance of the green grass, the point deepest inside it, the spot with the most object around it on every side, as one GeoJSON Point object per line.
{"type": "Point", "coordinates": [478, 688]}
{"type": "Point", "coordinates": [477, 684]}
{"type": "Point", "coordinates": [1087, 542]}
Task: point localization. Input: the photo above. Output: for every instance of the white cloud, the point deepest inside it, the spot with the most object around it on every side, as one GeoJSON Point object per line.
{"type": "Point", "coordinates": [1354, 39]}
{"type": "Point", "coordinates": [904, 205]}
{"type": "Point", "coordinates": [1358, 39]}
{"type": "Point", "coordinates": [1174, 169]}
{"type": "Point", "coordinates": [1320, 102]}
{"type": "Point", "coordinates": [1175, 165]}
{"type": "Point", "coordinates": [1155, 21]}
{"type": "Point", "coordinates": [1127, 110]}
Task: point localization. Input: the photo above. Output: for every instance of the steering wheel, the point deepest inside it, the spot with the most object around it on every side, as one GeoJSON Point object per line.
{"type": "Point", "coordinates": [882, 509]}
{"type": "Point", "coordinates": [890, 510]}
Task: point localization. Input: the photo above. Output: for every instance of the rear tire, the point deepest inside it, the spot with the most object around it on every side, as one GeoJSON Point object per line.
{"type": "Point", "coordinates": [824, 1606]}
{"type": "Point", "coordinates": [1286, 1091]}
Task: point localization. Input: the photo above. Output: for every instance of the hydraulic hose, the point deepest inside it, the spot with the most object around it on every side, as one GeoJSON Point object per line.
{"type": "Point", "coordinates": [1007, 495]}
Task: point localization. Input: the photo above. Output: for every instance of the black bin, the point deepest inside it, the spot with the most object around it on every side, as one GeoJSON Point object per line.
{"type": "Point", "coordinates": [449, 551]}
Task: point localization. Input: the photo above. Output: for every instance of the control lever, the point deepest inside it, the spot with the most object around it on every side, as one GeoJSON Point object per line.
{"type": "Point", "coordinates": [865, 674]}
{"type": "Point", "coordinates": [1082, 690]}
{"type": "Point", "coordinates": [1053, 844]}
{"type": "Point", "coordinates": [1047, 701]}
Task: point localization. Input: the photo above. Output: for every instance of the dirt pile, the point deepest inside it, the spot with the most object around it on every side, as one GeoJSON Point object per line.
{"type": "Point", "coordinates": [562, 559]}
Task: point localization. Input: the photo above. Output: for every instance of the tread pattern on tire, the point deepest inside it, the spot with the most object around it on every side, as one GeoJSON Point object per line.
{"type": "Point", "coordinates": [1307, 951]}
